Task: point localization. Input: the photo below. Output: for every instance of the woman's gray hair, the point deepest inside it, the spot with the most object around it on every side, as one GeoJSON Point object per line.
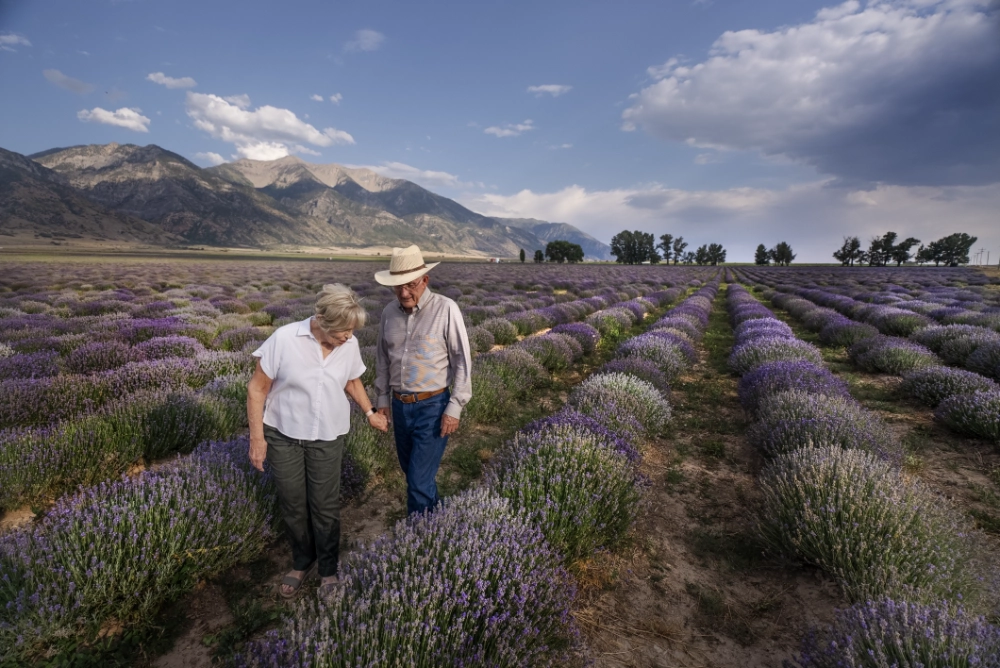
{"type": "Point", "coordinates": [338, 309]}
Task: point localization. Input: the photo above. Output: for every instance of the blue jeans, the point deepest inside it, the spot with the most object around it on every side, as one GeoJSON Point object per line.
{"type": "Point", "coordinates": [419, 446]}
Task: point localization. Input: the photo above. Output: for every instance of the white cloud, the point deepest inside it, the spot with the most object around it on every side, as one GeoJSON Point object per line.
{"type": "Point", "coordinates": [365, 40]}
{"type": "Point", "coordinates": [556, 147]}
{"type": "Point", "coordinates": [316, 98]}
{"type": "Point", "coordinates": [428, 178]}
{"type": "Point", "coordinates": [9, 40]}
{"type": "Point", "coordinates": [892, 91]}
{"type": "Point", "coordinates": [510, 129]}
{"type": "Point", "coordinates": [171, 82]}
{"type": "Point", "coordinates": [555, 90]}
{"type": "Point", "coordinates": [812, 217]}
{"type": "Point", "coordinates": [130, 119]}
{"type": "Point", "coordinates": [336, 98]}
{"type": "Point", "coordinates": [210, 157]}
{"type": "Point", "coordinates": [266, 133]}
{"type": "Point", "coordinates": [67, 83]}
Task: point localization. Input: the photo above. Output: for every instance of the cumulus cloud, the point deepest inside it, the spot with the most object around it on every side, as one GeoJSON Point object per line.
{"type": "Point", "coordinates": [365, 40]}
{"type": "Point", "coordinates": [265, 133]}
{"type": "Point", "coordinates": [130, 119]}
{"type": "Point", "coordinates": [895, 91]}
{"type": "Point", "coordinates": [316, 98]}
{"type": "Point", "coordinates": [67, 83]}
{"type": "Point", "coordinates": [812, 217]}
{"type": "Point", "coordinates": [210, 157]}
{"type": "Point", "coordinates": [9, 40]}
{"type": "Point", "coordinates": [555, 90]}
{"type": "Point", "coordinates": [426, 177]}
{"type": "Point", "coordinates": [171, 82]}
{"type": "Point", "coordinates": [510, 129]}
{"type": "Point", "coordinates": [336, 98]}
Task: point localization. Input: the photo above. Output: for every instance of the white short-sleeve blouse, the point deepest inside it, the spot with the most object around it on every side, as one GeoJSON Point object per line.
{"type": "Point", "coordinates": [307, 398]}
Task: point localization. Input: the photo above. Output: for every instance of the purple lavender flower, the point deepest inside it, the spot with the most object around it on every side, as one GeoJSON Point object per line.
{"type": "Point", "coordinates": [772, 377]}
{"type": "Point", "coordinates": [932, 385]}
{"type": "Point", "coordinates": [976, 414]}
{"type": "Point", "coordinates": [887, 632]}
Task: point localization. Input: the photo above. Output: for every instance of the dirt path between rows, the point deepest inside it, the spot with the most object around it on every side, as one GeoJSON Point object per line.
{"type": "Point", "coordinates": [696, 588]}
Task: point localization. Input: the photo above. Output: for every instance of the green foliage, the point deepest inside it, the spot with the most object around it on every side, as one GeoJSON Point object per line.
{"type": "Point", "coordinates": [564, 251]}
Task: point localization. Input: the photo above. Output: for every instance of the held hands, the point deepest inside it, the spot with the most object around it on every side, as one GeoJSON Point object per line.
{"type": "Point", "coordinates": [379, 419]}
{"type": "Point", "coordinates": [448, 425]}
{"type": "Point", "coordinates": [258, 452]}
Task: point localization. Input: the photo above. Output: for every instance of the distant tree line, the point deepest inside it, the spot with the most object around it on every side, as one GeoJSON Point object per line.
{"type": "Point", "coordinates": [559, 251]}
{"type": "Point", "coordinates": [951, 250]}
{"type": "Point", "coordinates": [637, 247]}
{"type": "Point", "coordinates": [781, 255]}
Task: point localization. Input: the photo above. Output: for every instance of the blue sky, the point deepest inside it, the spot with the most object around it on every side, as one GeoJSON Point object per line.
{"type": "Point", "coordinates": [735, 122]}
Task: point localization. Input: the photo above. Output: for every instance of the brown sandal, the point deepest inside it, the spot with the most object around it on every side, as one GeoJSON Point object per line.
{"type": "Point", "coordinates": [294, 582]}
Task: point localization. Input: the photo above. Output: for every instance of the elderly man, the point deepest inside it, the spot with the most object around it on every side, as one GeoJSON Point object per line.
{"type": "Point", "coordinates": [422, 351]}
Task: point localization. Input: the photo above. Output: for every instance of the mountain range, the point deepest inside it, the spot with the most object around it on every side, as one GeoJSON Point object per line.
{"type": "Point", "coordinates": [150, 195]}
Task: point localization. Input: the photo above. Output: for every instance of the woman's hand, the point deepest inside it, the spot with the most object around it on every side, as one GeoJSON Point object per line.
{"type": "Point", "coordinates": [379, 421]}
{"type": "Point", "coordinates": [258, 453]}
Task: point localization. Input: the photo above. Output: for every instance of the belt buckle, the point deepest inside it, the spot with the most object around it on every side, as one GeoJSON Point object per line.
{"type": "Point", "coordinates": [408, 397]}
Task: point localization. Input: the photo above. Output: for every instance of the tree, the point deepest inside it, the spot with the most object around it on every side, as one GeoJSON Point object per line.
{"type": "Point", "coordinates": [716, 254]}
{"type": "Point", "coordinates": [679, 246]}
{"type": "Point", "coordinates": [701, 255]}
{"type": "Point", "coordinates": [849, 252]}
{"type": "Point", "coordinates": [634, 247]}
{"type": "Point", "coordinates": [539, 256]}
{"type": "Point", "coordinates": [561, 251]}
{"type": "Point", "coordinates": [900, 253]}
{"type": "Point", "coordinates": [667, 246]}
{"type": "Point", "coordinates": [522, 255]}
{"type": "Point", "coordinates": [689, 257]}
{"type": "Point", "coordinates": [761, 257]}
{"type": "Point", "coordinates": [782, 254]}
{"type": "Point", "coordinates": [954, 248]}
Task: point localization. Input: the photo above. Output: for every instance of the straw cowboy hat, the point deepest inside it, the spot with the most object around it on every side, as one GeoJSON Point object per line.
{"type": "Point", "coordinates": [405, 265]}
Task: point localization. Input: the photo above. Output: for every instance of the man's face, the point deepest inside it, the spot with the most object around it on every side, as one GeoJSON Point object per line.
{"type": "Point", "coordinates": [409, 294]}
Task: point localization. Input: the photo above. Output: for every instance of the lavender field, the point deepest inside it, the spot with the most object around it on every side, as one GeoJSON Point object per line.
{"type": "Point", "coordinates": [660, 466]}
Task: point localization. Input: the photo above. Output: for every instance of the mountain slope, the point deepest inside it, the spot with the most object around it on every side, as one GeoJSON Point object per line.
{"type": "Point", "coordinates": [592, 248]}
{"type": "Point", "coordinates": [333, 192]}
{"type": "Point", "coordinates": [164, 188]}
{"type": "Point", "coordinates": [35, 200]}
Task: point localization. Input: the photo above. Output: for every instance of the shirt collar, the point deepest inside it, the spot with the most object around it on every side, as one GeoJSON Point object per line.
{"type": "Point", "coordinates": [305, 329]}
{"type": "Point", "coordinates": [421, 303]}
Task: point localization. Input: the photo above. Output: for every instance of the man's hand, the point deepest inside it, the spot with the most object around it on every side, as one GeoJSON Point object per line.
{"type": "Point", "coordinates": [387, 413]}
{"type": "Point", "coordinates": [379, 421]}
{"type": "Point", "coordinates": [448, 425]}
{"type": "Point", "coordinates": [258, 452]}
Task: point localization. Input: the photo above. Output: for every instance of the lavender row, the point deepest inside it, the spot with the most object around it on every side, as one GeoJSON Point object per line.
{"type": "Point", "coordinates": [834, 497]}
{"type": "Point", "coordinates": [966, 401]}
{"type": "Point", "coordinates": [481, 581]}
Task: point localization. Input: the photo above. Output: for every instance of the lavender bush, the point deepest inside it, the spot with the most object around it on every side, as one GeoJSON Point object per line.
{"type": "Point", "coordinates": [587, 336]}
{"type": "Point", "coordinates": [986, 360]}
{"type": "Point", "coordinates": [772, 377]}
{"type": "Point", "coordinates": [665, 354]}
{"type": "Point", "coordinates": [119, 551]}
{"type": "Point", "coordinates": [637, 397]}
{"type": "Point", "coordinates": [571, 483]}
{"type": "Point", "coordinates": [976, 414]}
{"type": "Point", "coordinates": [480, 339]}
{"type": "Point", "coordinates": [859, 519]}
{"type": "Point", "coordinates": [886, 632]}
{"type": "Point", "coordinates": [793, 419]}
{"type": "Point", "coordinates": [473, 584]}
{"type": "Point", "coordinates": [748, 356]}
{"type": "Point", "coordinates": [891, 355]}
{"type": "Point", "coordinates": [41, 364]}
{"type": "Point", "coordinates": [640, 368]}
{"type": "Point", "coordinates": [932, 385]}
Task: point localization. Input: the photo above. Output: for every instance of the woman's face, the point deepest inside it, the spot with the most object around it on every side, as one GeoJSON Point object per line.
{"type": "Point", "coordinates": [338, 338]}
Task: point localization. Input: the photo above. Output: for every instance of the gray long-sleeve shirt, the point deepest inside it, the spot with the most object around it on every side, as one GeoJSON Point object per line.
{"type": "Point", "coordinates": [423, 351]}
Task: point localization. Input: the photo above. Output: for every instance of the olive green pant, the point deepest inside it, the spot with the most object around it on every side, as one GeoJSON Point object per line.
{"type": "Point", "coordinates": [307, 476]}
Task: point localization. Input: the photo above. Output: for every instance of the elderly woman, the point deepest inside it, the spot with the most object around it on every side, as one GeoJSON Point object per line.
{"type": "Point", "coordinates": [298, 411]}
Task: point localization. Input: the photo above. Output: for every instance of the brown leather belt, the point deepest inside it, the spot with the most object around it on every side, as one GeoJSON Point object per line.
{"type": "Point", "coordinates": [414, 397]}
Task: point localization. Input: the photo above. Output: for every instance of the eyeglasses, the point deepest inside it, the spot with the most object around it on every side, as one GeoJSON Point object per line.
{"type": "Point", "coordinates": [409, 287]}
